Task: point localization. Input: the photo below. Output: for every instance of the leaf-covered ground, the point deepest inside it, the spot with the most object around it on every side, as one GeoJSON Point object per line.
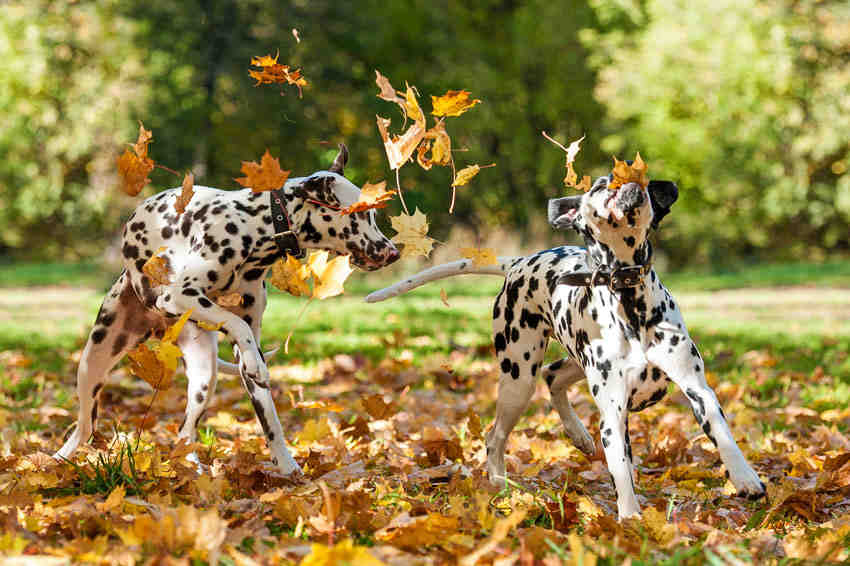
{"type": "Point", "coordinates": [391, 401]}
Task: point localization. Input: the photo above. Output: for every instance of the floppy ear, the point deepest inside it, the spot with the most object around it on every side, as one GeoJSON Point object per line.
{"type": "Point", "coordinates": [662, 195]}
{"type": "Point", "coordinates": [564, 211]}
{"type": "Point", "coordinates": [341, 159]}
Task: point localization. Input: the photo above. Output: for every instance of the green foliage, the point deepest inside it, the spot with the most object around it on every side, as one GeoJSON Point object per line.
{"type": "Point", "coordinates": [744, 103]}
{"type": "Point", "coordinates": [107, 472]}
{"type": "Point", "coordinates": [69, 84]}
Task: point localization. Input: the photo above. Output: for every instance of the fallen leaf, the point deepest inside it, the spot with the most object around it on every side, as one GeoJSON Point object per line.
{"type": "Point", "coordinates": [371, 196]}
{"type": "Point", "coordinates": [263, 176]}
{"type": "Point", "coordinates": [344, 552]}
{"type": "Point", "coordinates": [412, 234]}
{"type": "Point", "coordinates": [444, 297]}
{"type": "Point", "coordinates": [158, 269]}
{"type": "Point", "coordinates": [453, 103]}
{"type": "Point", "coordinates": [500, 532]}
{"type": "Point", "coordinates": [114, 501]}
{"type": "Point", "coordinates": [656, 524]}
{"type": "Point", "coordinates": [377, 408]}
{"type": "Point", "coordinates": [186, 194]}
{"type": "Point", "coordinates": [480, 256]}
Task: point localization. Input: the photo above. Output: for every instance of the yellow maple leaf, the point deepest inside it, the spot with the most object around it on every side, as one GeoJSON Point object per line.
{"type": "Point", "coordinates": [656, 524]}
{"type": "Point", "coordinates": [400, 148]}
{"type": "Point", "coordinates": [344, 552]}
{"type": "Point", "coordinates": [453, 103]}
{"type": "Point", "coordinates": [114, 501]}
{"type": "Point", "coordinates": [480, 256]}
{"type": "Point", "coordinates": [263, 176]}
{"type": "Point", "coordinates": [291, 276]}
{"type": "Point", "coordinates": [329, 282]}
{"type": "Point", "coordinates": [624, 173]}
{"type": "Point", "coordinates": [371, 196]}
{"type": "Point", "coordinates": [157, 365]}
{"type": "Point", "coordinates": [175, 329]}
{"type": "Point", "coordinates": [412, 234]}
{"type": "Point", "coordinates": [314, 430]}
{"type": "Point", "coordinates": [158, 269]}
{"type": "Point", "coordinates": [186, 194]}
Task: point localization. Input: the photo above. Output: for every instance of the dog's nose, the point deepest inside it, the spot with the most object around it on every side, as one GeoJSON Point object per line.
{"type": "Point", "coordinates": [631, 196]}
{"type": "Point", "coordinates": [392, 255]}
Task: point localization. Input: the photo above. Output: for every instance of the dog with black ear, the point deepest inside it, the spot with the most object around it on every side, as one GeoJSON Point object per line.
{"type": "Point", "coordinates": [621, 327]}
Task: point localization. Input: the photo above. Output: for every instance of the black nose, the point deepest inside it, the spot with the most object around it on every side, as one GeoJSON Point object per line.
{"type": "Point", "coordinates": [631, 195]}
{"type": "Point", "coordinates": [392, 255]}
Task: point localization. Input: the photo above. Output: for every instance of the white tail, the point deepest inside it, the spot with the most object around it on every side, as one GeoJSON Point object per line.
{"type": "Point", "coordinates": [460, 267]}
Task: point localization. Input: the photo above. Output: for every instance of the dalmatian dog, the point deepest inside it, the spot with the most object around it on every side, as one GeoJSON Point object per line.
{"type": "Point", "coordinates": [224, 242]}
{"type": "Point", "coordinates": [621, 327]}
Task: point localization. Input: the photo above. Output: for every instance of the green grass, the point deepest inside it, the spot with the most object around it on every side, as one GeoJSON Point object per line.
{"type": "Point", "coordinates": [80, 274]}
{"type": "Point", "coordinates": [827, 274]}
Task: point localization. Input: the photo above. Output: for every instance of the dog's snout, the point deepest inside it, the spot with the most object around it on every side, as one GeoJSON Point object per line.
{"type": "Point", "coordinates": [631, 195]}
{"type": "Point", "coordinates": [392, 255]}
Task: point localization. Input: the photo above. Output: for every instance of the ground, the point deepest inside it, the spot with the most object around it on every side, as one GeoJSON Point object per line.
{"type": "Point", "coordinates": [390, 403]}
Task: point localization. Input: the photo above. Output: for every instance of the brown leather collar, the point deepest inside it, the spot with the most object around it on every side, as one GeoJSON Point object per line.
{"type": "Point", "coordinates": [622, 278]}
{"type": "Point", "coordinates": [284, 237]}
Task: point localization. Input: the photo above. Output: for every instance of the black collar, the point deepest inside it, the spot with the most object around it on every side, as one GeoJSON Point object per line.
{"type": "Point", "coordinates": [621, 278]}
{"type": "Point", "coordinates": [284, 237]}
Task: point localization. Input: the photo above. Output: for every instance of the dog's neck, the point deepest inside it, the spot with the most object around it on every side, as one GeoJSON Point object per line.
{"type": "Point", "coordinates": [600, 256]}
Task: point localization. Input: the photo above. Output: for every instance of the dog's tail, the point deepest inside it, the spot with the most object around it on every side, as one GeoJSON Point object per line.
{"type": "Point", "coordinates": [460, 267]}
{"type": "Point", "coordinates": [229, 368]}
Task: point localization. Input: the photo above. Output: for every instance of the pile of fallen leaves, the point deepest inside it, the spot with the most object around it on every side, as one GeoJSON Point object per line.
{"type": "Point", "coordinates": [393, 455]}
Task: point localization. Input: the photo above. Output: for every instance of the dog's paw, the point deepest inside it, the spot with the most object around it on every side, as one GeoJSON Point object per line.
{"type": "Point", "coordinates": [749, 485]}
{"type": "Point", "coordinates": [582, 440]}
{"type": "Point", "coordinates": [754, 494]}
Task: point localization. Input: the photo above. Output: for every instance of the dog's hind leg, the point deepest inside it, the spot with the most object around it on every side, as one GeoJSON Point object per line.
{"type": "Point", "coordinates": [116, 330]}
{"type": "Point", "coordinates": [200, 354]}
{"type": "Point", "coordinates": [559, 376]}
{"type": "Point", "coordinates": [677, 356]}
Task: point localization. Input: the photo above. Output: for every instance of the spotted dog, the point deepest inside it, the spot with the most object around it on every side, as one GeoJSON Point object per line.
{"type": "Point", "coordinates": [224, 242]}
{"type": "Point", "coordinates": [621, 327]}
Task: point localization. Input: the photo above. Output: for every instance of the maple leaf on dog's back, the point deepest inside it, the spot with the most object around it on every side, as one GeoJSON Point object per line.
{"type": "Point", "coordinates": [371, 196]}
{"type": "Point", "coordinates": [263, 176]}
{"type": "Point", "coordinates": [453, 103]}
{"type": "Point", "coordinates": [412, 234]}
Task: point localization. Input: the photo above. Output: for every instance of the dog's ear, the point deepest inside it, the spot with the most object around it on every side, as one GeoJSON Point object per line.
{"type": "Point", "coordinates": [662, 195]}
{"type": "Point", "coordinates": [338, 165]}
{"type": "Point", "coordinates": [564, 211]}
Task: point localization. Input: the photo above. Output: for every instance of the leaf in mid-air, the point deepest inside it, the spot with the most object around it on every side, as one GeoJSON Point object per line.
{"type": "Point", "coordinates": [371, 196]}
{"type": "Point", "coordinates": [412, 234]}
{"type": "Point", "coordinates": [186, 194]}
{"type": "Point", "coordinates": [291, 276]}
{"type": "Point", "coordinates": [271, 72]}
{"type": "Point", "coordinates": [624, 173]}
{"type": "Point", "coordinates": [453, 103]}
{"type": "Point", "coordinates": [329, 282]}
{"type": "Point", "coordinates": [263, 176]}
{"type": "Point", "coordinates": [134, 167]}
{"type": "Point", "coordinates": [157, 365]}
{"type": "Point", "coordinates": [158, 269]}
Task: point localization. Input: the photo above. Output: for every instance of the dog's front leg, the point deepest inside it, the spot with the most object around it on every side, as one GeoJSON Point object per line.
{"type": "Point", "coordinates": [610, 396]}
{"type": "Point", "coordinates": [677, 356]}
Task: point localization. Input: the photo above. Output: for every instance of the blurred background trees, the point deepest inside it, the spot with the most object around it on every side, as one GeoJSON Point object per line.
{"type": "Point", "coordinates": [745, 104]}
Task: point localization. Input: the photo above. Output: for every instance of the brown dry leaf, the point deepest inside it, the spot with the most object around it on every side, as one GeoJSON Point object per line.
{"type": "Point", "coordinates": [480, 256]}
{"type": "Point", "coordinates": [157, 365]}
{"type": "Point", "coordinates": [625, 173]}
{"type": "Point", "coordinates": [158, 269]}
{"type": "Point", "coordinates": [291, 276]}
{"type": "Point", "coordinates": [344, 552]}
{"type": "Point", "coordinates": [571, 177]}
{"type": "Point", "coordinates": [271, 72]}
{"type": "Point", "coordinates": [377, 408]}
{"type": "Point", "coordinates": [186, 194]}
{"type": "Point", "coordinates": [444, 297]}
{"type": "Point", "coordinates": [453, 103]}
{"type": "Point", "coordinates": [229, 300]}
{"type": "Point", "coordinates": [412, 234]}
{"type": "Point", "coordinates": [388, 92]}
{"type": "Point", "coordinates": [500, 532]}
{"type": "Point", "coordinates": [263, 176]}
{"type": "Point", "coordinates": [135, 167]}
{"type": "Point", "coordinates": [400, 148]}
{"type": "Point", "coordinates": [371, 196]}
{"type": "Point", "coordinates": [409, 532]}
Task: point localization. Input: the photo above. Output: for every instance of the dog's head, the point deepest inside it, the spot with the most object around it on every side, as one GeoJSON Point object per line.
{"type": "Point", "coordinates": [615, 223]}
{"type": "Point", "coordinates": [318, 223]}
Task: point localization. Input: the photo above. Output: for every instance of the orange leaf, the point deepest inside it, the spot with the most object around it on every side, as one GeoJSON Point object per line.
{"type": "Point", "coordinates": [371, 196]}
{"type": "Point", "coordinates": [444, 297]}
{"type": "Point", "coordinates": [158, 269]}
{"type": "Point", "coordinates": [263, 176]}
{"type": "Point", "coordinates": [412, 234]}
{"type": "Point", "coordinates": [134, 171]}
{"type": "Point", "coordinates": [143, 141]}
{"type": "Point", "coordinates": [571, 178]}
{"type": "Point", "coordinates": [453, 103]}
{"type": "Point", "coordinates": [271, 72]}
{"type": "Point", "coordinates": [157, 365]}
{"type": "Point", "coordinates": [441, 153]}
{"type": "Point", "coordinates": [186, 195]}
{"type": "Point", "coordinates": [625, 173]}
{"type": "Point", "coordinates": [291, 276]}
{"type": "Point", "coordinates": [377, 408]}
{"type": "Point", "coordinates": [329, 280]}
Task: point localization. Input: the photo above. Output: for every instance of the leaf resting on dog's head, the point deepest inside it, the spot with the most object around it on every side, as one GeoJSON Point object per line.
{"type": "Point", "coordinates": [371, 196]}
{"type": "Point", "coordinates": [624, 173]}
